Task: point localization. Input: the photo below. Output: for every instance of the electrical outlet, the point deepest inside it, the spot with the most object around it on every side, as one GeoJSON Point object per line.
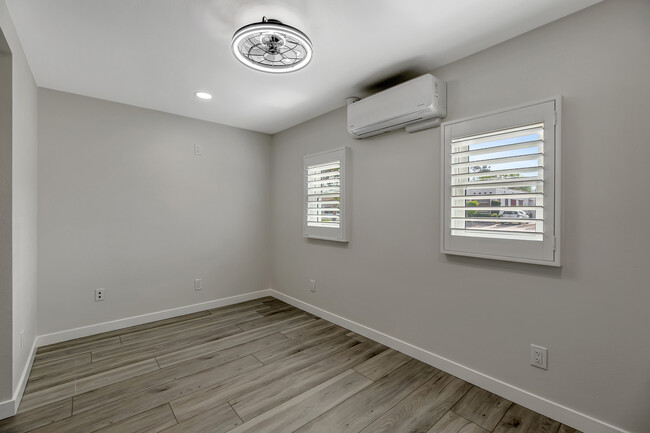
{"type": "Point", "coordinates": [198, 284]}
{"type": "Point", "coordinates": [99, 295]}
{"type": "Point", "coordinates": [22, 339]}
{"type": "Point", "coordinates": [313, 285]}
{"type": "Point", "coordinates": [539, 356]}
{"type": "Point", "coordinates": [197, 150]}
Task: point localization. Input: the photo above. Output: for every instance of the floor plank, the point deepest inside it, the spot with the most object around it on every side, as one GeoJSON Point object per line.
{"type": "Point", "coordinates": [53, 355]}
{"type": "Point", "coordinates": [217, 420]}
{"type": "Point", "coordinates": [151, 421]}
{"type": "Point", "coordinates": [305, 407]}
{"type": "Point", "coordinates": [357, 412]}
{"type": "Point", "coordinates": [278, 309]}
{"type": "Point", "coordinates": [92, 420]}
{"type": "Point", "coordinates": [193, 351]}
{"type": "Point", "coordinates": [157, 323]}
{"type": "Point", "coordinates": [297, 344]}
{"type": "Point", "coordinates": [453, 423]}
{"type": "Point", "coordinates": [234, 307]}
{"type": "Point", "coordinates": [54, 367]}
{"type": "Point", "coordinates": [219, 330]}
{"type": "Point", "coordinates": [521, 420]}
{"type": "Point", "coordinates": [118, 332]}
{"type": "Point", "coordinates": [482, 407]}
{"type": "Point", "coordinates": [33, 419]}
{"type": "Point", "coordinates": [132, 357]}
{"type": "Point", "coordinates": [46, 396]}
{"type": "Point", "coordinates": [309, 328]}
{"type": "Point", "coordinates": [120, 390]}
{"type": "Point", "coordinates": [262, 399]}
{"type": "Point", "coordinates": [262, 321]}
{"type": "Point", "coordinates": [418, 412]}
{"type": "Point", "coordinates": [190, 405]}
{"type": "Point", "coordinates": [209, 320]}
{"type": "Point", "coordinates": [382, 364]}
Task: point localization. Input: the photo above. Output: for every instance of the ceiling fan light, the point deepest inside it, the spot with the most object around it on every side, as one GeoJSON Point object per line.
{"type": "Point", "coordinates": [270, 46]}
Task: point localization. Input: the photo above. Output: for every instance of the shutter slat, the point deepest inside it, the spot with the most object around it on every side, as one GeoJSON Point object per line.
{"type": "Point", "coordinates": [502, 160]}
{"type": "Point", "coordinates": [514, 196]}
{"type": "Point", "coordinates": [323, 190]}
{"type": "Point", "coordinates": [323, 183]}
{"type": "Point", "coordinates": [497, 208]}
{"type": "Point", "coordinates": [330, 225]}
{"type": "Point", "coordinates": [327, 175]}
{"type": "Point", "coordinates": [506, 183]}
{"type": "Point", "coordinates": [318, 169]}
{"type": "Point", "coordinates": [519, 131]}
{"type": "Point", "coordinates": [488, 174]}
{"type": "Point", "coordinates": [499, 148]}
{"type": "Point", "coordinates": [322, 197]}
{"type": "Point", "coordinates": [324, 205]}
{"type": "Point", "coordinates": [498, 220]}
{"type": "Point", "coordinates": [499, 231]}
{"type": "Point", "coordinates": [323, 217]}
{"type": "Point", "coordinates": [532, 236]}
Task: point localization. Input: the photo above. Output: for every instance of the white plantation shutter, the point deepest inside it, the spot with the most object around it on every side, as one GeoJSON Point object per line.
{"type": "Point", "coordinates": [325, 195]}
{"type": "Point", "coordinates": [500, 186]}
{"type": "Point", "coordinates": [495, 172]}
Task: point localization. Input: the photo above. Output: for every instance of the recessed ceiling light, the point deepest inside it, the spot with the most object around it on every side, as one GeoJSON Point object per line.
{"type": "Point", "coordinates": [203, 95]}
{"type": "Point", "coordinates": [271, 46]}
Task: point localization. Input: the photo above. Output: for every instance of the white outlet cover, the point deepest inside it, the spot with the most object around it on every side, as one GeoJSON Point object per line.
{"type": "Point", "coordinates": [539, 356]}
{"type": "Point", "coordinates": [99, 295]}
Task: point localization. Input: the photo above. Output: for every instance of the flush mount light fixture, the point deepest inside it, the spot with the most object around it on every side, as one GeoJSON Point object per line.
{"type": "Point", "coordinates": [203, 95]}
{"type": "Point", "coordinates": [271, 46]}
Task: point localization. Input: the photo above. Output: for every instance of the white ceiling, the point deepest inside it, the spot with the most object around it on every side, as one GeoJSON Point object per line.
{"type": "Point", "coordinates": [156, 53]}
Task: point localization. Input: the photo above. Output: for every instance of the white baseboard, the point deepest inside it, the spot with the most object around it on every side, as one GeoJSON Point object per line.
{"type": "Point", "coordinates": [84, 331]}
{"type": "Point", "coordinates": [10, 407]}
{"type": "Point", "coordinates": [522, 397]}
{"type": "Point", "coordinates": [7, 408]}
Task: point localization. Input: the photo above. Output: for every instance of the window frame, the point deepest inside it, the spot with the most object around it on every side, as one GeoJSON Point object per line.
{"type": "Point", "coordinates": [545, 252]}
{"type": "Point", "coordinates": [340, 234]}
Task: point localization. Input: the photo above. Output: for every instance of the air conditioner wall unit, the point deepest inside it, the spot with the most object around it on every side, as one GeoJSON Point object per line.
{"type": "Point", "coordinates": [413, 104]}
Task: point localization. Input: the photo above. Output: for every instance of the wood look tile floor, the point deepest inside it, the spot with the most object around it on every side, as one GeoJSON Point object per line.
{"type": "Point", "coordinates": [258, 366]}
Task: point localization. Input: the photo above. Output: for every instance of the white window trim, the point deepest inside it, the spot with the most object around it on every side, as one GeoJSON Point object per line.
{"type": "Point", "coordinates": [553, 237]}
{"type": "Point", "coordinates": [340, 234]}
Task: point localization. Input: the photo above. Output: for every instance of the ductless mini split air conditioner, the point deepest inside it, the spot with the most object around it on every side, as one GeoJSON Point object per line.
{"type": "Point", "coordinates": [417, 104]}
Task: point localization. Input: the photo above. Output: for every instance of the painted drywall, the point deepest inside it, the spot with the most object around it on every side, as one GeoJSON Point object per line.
{"type": "Point", "coordinates": [592, 313]}
{"type": "Point", "coordinates": [24, 204]}
{"type": "Point", "coordinates": [125, 205]}
{"type": "Point", "coordinates": [5, 222]}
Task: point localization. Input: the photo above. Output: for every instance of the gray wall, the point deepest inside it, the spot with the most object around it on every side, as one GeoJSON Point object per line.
{"type": "Point", "coordinates": [592, 314]}
{"type": "Point", "coordinates": [5, 222]}
{"type": "Point", "coordinates": [23, 207]}
{"type": "Point", "coordinates": [125, 205]}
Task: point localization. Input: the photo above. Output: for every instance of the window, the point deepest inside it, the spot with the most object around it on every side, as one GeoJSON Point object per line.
{"type": "Point", "coordinates": [325, 195]}
{"type": "Point", "coordinates": [501, 185]}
